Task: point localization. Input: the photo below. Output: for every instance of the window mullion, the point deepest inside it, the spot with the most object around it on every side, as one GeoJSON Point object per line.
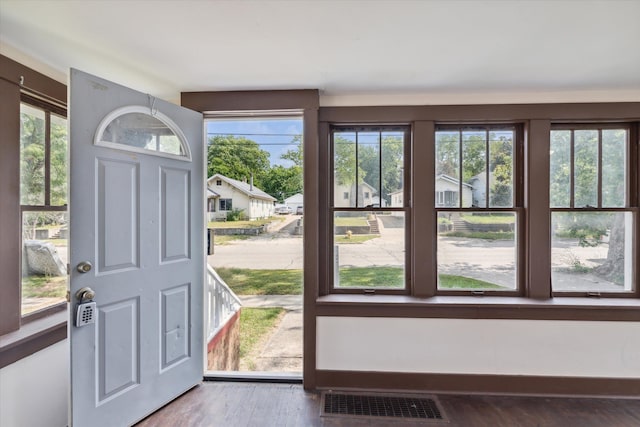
{"type": "Point", "coordinates": [599, 168]}
{"type": "Point", "coordinates": [47, 158]}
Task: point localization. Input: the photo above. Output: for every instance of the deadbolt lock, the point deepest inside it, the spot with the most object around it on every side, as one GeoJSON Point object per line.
{"type": "Point", "coordinates": [84, 267]}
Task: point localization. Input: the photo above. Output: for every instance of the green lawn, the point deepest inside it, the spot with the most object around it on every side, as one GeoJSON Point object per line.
{"type": "Point", "coordinates": [245, 281]}
{"type": "Point", "coordinates": [350, 221]}
{"type": "Point", "coordinates": [44, 286]}
{"type": "Point", "coordinates": [255, 323]}
{"type": "Point", "coordinates": [355, 238]}
{"type": "Point", "coordinates": [489, 219]}
{"type": "Point", "coordinates": [460, 282]}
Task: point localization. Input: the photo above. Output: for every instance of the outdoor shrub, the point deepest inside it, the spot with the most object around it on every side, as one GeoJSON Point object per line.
{"type": "Point", "coordinates": [236, 215]}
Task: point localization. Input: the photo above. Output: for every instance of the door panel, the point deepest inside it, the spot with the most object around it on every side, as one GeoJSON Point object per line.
{"type": "Point", "coordinates": [138, 217]}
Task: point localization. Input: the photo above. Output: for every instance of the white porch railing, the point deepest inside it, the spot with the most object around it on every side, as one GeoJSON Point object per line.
{"type": "Point", "coordinates": [222, 303]}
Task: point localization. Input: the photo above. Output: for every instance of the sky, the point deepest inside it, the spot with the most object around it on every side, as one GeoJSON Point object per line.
{"type": "Point", "coordinates": [273, 135]}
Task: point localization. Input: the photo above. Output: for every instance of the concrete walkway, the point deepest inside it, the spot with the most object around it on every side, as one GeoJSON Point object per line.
{"type": "Point", "coordinates": [283, 350]}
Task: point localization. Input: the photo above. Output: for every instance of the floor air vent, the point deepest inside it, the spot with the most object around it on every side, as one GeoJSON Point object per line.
{"type": "Point", "coordinates": [408, 407]}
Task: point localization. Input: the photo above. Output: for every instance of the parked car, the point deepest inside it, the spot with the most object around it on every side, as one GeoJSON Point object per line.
{"type": "Point", "coordinates": [299, 210]}
{"type": "Point", "coordinates": [284, 210]}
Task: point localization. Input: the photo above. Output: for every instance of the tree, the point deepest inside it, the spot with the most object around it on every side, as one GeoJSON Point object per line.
{"type": "Point", "coordinates": [281, 182]}
{"type": "Point", "coordinates": [387, 156]}
{"type": "Point", "coordinates": [294, 154]}
{"type": "Point", "coordinates": [238, 158]}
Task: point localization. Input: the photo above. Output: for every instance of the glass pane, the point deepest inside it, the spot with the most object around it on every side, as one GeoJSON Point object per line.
{"type": "Point", "coordinates": [592, 251]}
{"type": "Point", "coordinates": [392, 170]}
{"type": "Point", "coordinates": [585, 172]}
{"type": "Point", "coordinates": [560, 169]}
{"type": "Point", "coordinates": [474, 178]}
{"type": "Point", "coordinates": [32, 140]}
{"type": "Point", "coordinates": [369, 250]}
{"type": "Point", "coordinates": [447, 168]}
{"type": "Point", "coordinates": [58, 160]}
{"type": "Point", "coordinates": [44, 259]}
{"type": "Point", "coordinates": [170, 144]}
{"type": "Point", "coordinates": [368, 169]}
{"type": "Point", "coordinates": [614, 170]}
{"type": "Point", "coordinates": [344, 174]}
{"type": "Point", "coordinates": [477, 251]}
{"type": "Point", "coordinates": [142, 130]}
{"type": "Point", "coordinates": [501, 169]}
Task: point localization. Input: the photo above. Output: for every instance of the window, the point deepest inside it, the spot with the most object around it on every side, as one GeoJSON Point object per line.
{"type": "Point", "coordinates": [143, 130]}
{"type": "Point", "coordinates": [369, 241]}
{"type": "Point", "coordinates": [477, 212]}
{"type": "Point", "coordinates": [592, 222]}
{"type": "Point", "coordinates": [43, 200]}
{"type": "Point", "coordinates": [225, 205]}
{"type": "Point", "coordinates": [218, 182]}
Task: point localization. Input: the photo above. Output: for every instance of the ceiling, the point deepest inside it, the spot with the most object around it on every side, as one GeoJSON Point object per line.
{"type": "Point", "coordinates": [354, 51]}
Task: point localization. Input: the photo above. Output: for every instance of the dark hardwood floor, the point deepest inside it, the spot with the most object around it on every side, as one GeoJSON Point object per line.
{"type": "Point", "coordinates": [230, 404]}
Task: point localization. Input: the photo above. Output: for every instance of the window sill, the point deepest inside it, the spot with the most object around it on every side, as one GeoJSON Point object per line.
{"type": "Point", "coordinates": [479, 307]}
{"type": "Point", "coordinates": [33, 337]}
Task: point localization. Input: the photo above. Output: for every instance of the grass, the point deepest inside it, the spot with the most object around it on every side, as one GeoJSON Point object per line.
{"type": "Point", "coordinates": [350, 221]}
{"type": "Point", "coordinates": [255, 324]}
{"type": "Point", "coordinates": [449, 281]}
{"type": "Point", "coordinates": [487, 235]}
{"type": "Point", "coordinates": [244, 224]}
{"type": "Point", "coordinates": [355, 238]}
{"type": "Point", "coordinates": [371, 277]}
{"type": "Point", "coordinates": [245, 281]}
{"type": "Point", "coordinates": [489, 219]}
{"type": "Point", "coordinates": [44, 286]}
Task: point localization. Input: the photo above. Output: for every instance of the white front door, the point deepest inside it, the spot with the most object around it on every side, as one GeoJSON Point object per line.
{"type": "Point", "coordinates": [136, 227]}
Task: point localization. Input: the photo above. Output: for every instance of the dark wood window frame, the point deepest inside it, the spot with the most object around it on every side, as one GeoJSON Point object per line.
{"type": "Point", "coordinates": [632, 198]}
{"type": "Point", "coordinates": [534, 300]}
{"type": "Point", "coordinates": [404, 209]}
{"type": "Point", "coordinates": [21, 336]}
{"type": "Point", "coordinates": [517, 207]}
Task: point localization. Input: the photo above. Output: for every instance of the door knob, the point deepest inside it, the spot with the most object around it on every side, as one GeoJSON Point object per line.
{"type": "Point", "coordinates": [84, 267]}
{"type": "Point", "coordinates": [85, 294]}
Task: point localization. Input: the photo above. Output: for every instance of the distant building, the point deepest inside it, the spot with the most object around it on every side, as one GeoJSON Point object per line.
{"type": "Point", "coordinates": [226, 194]}
{"type": "Point", "coordinates": [294, 201]}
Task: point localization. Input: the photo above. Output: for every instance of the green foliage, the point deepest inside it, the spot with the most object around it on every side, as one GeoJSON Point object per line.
{"type": "Point", "coordinates": [32, 160]}
{"type": "Point", "coordinates": [475, 148]}
{"type": "Point", "coordinates": [346, 170]}
{"type": "Point", "coordinates": [281, 182]}
{"type": "Point", "coordinates": [236, 215]}
{"type": "Point", "coordinates": [245, 281]}
{"type": "Point", "coordinates": [486, 235]}
{"type": "Point", "coordinates": [238, 158]}
{"type": "Point", "coordinates": [489, 219]}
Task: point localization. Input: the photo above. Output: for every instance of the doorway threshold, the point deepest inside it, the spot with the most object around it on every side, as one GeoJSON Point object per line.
{"type": "Point", "coordinates": [254, 377]}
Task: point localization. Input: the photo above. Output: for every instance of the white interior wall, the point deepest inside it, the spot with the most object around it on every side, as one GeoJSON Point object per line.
{"type": "Point", "coordinates": [480, 346]}
{"type": "Point", "coordinates": [34, 391]}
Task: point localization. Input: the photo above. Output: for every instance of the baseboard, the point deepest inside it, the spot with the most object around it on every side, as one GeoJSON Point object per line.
{"type": "Point", "coordinates": [481, 384]}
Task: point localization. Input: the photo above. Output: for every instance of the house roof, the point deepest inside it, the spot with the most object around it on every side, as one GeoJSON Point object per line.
{"type": "Point", "coordinates": [297, 196]}
{"type": "Point", "coordinates": [244, 187]}
{"type": "Point", "coordinates": [211, 193]}
{"type": "Point", "coordinates": [452, 180]}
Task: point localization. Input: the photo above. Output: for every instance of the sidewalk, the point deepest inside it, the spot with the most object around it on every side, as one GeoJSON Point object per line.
{"type": "Point", "coordinates": [283, 350]}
